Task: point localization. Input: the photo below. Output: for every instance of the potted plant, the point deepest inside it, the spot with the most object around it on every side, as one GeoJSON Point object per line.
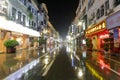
{"type": "Point", "coordinates": [106, 47]}
{"type": "Point", "coordinates": [89, 44]}
{"type": "Point", "coordinates": [41, 40]}
{"type": "Point", "coordinates": [10, 46]}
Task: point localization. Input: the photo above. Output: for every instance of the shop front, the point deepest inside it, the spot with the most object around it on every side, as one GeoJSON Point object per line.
{"type": "Point", "coordinates": [97, 33]}
{"type": "Point", "coordinates": [113, 25]}
{"type": "Point", "coordinates": [12, 30]}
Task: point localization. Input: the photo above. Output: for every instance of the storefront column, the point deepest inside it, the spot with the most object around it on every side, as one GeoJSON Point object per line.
{"type": "Point", "coordinates": [6, 37]}
{"type": "Point", "coordinates": [24, 45]}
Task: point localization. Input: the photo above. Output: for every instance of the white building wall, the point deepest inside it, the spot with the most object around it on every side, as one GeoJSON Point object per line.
{"type": "Point", "coordinates": [96, 5]}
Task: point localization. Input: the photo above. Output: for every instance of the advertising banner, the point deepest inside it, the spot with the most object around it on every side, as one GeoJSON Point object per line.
{"type": "Point", "coordinates": [116, 38]}
{"type": "Point", "coordinates": [113, 21]}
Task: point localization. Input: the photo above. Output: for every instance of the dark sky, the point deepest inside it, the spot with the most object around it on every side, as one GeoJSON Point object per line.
{"type": "Point", "coordinates": [61, 13]}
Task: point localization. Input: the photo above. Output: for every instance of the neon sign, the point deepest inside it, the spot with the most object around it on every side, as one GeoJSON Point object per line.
{"type": "Point", "coordinates": [104, 36]}
{"type": "Point", "coordinates": [98, 27]}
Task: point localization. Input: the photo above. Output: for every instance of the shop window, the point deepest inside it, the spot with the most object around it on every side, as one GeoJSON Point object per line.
{"type": "Point", "coordinates": [13, 14]}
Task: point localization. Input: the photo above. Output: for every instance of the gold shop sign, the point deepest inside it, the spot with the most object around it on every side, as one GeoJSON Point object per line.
{"type": "Point", "coordinates": [96, 28]}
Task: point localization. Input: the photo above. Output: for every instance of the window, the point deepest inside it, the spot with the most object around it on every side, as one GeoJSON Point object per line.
{"type": "Point", "coordinates": [83, 2]}
{"type": "Point", "coordinates": [24, 18]}
{"type": "Point", "coordinates": [98, 14]}
{"type": "Point", "coordinates": [29, 23]}
{"type": "Point", "coordinates": [13, 13]}
{"type": "Point", "coordinates": [32, 11]}
{"type": "Point", "coordinates": [102, 10]}
{"type": "Point", "coordinates": [45, 22]}
{"type": "Point", "coordinates": [29, 8]}
{"type": "Point", "coordinates": [19, 17]}
{"type": "Point", "coordinates": [116, 2]}
{"type": "Point", "coordinates": [24, 1]}
{"type": "Point", "coordinates": [41, 23]}
{"type": "Point", "coordinates": [32, 24]}
{"type": "Point", "coordinates": [107, 5]}
{"type": "Point", "coordinates": [90, 3]}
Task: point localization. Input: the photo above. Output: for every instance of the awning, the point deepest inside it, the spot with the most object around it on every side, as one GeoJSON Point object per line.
{"type": "Point", "coordinates": [12, 26]}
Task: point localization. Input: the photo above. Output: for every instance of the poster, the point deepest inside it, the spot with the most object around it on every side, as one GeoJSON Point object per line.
{"type": "Point", "coordinates": [116, 38]}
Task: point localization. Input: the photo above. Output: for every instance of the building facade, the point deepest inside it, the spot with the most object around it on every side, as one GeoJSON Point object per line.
{"type": "Point", "coordinates": [94, 12]}
{"type": "Point", "coordinates": [18, 21]}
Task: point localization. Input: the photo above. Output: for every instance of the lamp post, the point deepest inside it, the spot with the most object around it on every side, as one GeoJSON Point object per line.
{"type": "Point", "coordinates": [79, 37]}
{"type": "Point", "coordinates": [45, 31]}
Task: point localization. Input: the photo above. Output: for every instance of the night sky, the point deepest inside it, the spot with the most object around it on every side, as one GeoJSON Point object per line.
{"type": "Point", "coordinates": [61, 13]}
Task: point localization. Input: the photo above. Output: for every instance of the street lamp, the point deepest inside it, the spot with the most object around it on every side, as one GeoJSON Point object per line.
{"type": "Point", "coordinates": [79, 23]}
{"type": "Point", "coordinates": [45, 31]}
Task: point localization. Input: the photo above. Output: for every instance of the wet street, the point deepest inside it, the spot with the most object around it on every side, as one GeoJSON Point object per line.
{"type": "Point", "coordinates": [70, 65]}
{"type": "Point", "coordinates": [62, 63]}
{"type": "Point", "coordinates": [61, 68]}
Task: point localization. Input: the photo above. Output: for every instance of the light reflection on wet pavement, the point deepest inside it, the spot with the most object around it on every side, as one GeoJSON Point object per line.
{"type": "Point", "coordinates": [11, 62]}
{"type": "Point", "coordinates": [68, 64]}
{"type": "Point", "coordinates": [84, 66]}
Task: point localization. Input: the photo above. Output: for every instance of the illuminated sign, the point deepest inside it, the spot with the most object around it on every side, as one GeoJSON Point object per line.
{"type": "Point", "coordinates": [119, 32]}
{"type": "Point", "coordinates": [104, 36]}
{"type": "Point", "coordinates": [98, 27]}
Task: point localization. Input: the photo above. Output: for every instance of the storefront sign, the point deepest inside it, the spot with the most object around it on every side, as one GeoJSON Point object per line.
{"type": "Point", "coordinates": [96, 28]}
{"type": "Point", "coordinates": [113, 21]}
{"type": "Point", "coordinates": [116, 33]}
{"type": "Point", "coordinates": [116, 38]}
{"type": "Point", "coordinates": [103, 36]}
{"type": "Point", "coordinates": [119, 33]}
